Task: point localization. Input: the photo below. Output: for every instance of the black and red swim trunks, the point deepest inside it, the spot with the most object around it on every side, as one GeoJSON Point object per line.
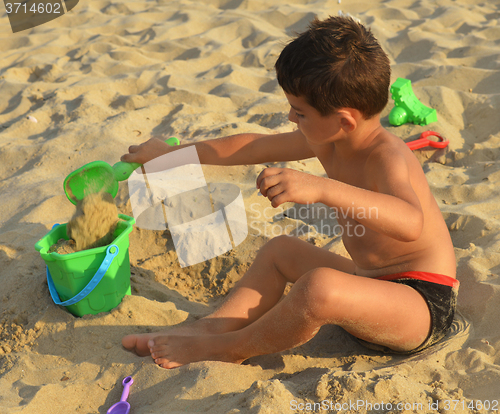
{"type": "Point", "coordinates": [440, 293]}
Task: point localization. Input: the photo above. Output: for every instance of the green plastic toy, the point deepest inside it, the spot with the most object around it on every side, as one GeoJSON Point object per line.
{"type": "Point", "coordinates": [99, 176]}
{"type": "Point", "coordinates": [408, 108]}
{"type": "Point", "coordinates": [89, 281]}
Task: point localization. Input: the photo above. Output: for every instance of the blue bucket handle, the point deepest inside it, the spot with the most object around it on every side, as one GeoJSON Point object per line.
{"type": "Point", "coordinates": [111, 252]}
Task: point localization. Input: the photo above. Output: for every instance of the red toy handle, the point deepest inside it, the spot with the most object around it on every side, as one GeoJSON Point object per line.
{"type": "Point", "coordinates": [423, 141]}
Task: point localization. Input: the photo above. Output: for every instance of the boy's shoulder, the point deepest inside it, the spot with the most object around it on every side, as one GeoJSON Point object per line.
{"type": "Point", "coordinates": [389, 156]}
{"type": "Point", "coordinates": [386, 145]}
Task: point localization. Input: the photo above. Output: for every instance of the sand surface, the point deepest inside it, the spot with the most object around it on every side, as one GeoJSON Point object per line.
{"type": "Point", "coordinates": [110, 74]}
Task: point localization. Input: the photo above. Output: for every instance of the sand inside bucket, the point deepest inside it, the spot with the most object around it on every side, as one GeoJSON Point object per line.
{"type": "Point", "coordinates": [92, 225]}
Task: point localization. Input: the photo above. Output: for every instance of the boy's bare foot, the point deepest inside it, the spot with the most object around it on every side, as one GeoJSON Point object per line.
{"type": "Point", "coordinates": [172, 351]}
{"type": "Point", "coordinates": [138, 343]}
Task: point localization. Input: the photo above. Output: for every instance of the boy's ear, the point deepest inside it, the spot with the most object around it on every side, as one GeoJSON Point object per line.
{"type": "Point", "coordinates": [348, 120]}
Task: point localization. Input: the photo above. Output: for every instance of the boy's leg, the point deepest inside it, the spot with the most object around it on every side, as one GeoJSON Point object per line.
{"type": "Point", "coordinates": [382, 312]}
{"type": "Point", "coordinates": [283, 259]}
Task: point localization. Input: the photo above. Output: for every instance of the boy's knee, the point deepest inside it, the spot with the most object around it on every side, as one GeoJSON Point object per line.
{"type": "Point", "coordinates": [276, 252]}
{"type": "Point", "coordinates": [320, 297]}
{"type": "Point", "coordinates": [277, 245]}
{"type": "Point", "coordinates": [280, 241]}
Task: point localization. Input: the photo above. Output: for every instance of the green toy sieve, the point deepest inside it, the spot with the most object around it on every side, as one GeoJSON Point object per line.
{"type": "Point", "coordinates": [99, 176]}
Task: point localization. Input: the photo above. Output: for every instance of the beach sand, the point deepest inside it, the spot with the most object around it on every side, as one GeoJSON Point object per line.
{"type": "Point", "coordinates": [110, 74]}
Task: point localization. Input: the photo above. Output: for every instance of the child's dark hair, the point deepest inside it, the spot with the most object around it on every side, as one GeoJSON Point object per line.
{"type": "Point", "coordinates": [336, 63]}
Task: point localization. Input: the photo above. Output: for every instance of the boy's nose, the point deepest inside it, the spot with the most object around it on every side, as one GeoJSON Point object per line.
{"type": "Point", "coordinates": [292, 117]}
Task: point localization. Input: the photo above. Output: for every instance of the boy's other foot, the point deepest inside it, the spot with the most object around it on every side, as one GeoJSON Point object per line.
{"type": "Point", "coordinates": [172, 351]}
{"type": "Point", "coordinates": [138, 343]}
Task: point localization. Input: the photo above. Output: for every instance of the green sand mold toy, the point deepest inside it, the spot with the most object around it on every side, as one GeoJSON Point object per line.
{"type": "Point", "coordinates": [408, 108]}
{"type": "Point", "coordinates": [99, 176]}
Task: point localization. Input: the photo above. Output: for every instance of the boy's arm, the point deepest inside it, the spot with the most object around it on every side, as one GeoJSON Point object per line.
{"type": "Point", "coordinates": [393, 208]}
{"type": "Point", "coordinates": [233, 150]}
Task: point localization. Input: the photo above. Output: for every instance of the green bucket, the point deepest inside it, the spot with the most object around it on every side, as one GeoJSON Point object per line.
{"type": "Point", "coordinates": [89, 281]}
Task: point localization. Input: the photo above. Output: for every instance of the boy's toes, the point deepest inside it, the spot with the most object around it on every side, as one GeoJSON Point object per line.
{"type": "Point", "coordinates": [129, 342]}
{"type": "Point", "coordinates": [171, 365]}
{"type": "Point", "coordinates": [132, 343]}
{"type": "Point", "coordinates": [157, 351]}
{"type": "Point", "coordinates": [158, 341]}
{"type": "Point", "coordinates": [158, 354]}
{"type": "Point", "coordinates": [136, 343]}
{"type": "Point", "coordinates": [165, 363]}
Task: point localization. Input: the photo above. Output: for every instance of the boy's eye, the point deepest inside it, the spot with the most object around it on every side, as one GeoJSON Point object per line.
{"type": "Point", "coordinates": [299, 115]}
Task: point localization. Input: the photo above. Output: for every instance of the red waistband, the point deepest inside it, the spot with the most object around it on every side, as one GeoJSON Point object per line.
{"type": "Point", "coordinates": [427, 276]}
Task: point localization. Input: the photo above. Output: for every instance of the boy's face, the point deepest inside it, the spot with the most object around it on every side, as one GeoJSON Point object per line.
{"type": "Point", "coordinates": [316, 128]}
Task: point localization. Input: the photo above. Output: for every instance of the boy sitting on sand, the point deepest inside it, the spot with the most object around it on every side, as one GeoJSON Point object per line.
{"type": "Point", "coordinates": [398, 290]}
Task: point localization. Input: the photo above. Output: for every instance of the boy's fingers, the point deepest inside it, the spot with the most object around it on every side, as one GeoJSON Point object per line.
{"type": "Point", "coordinates": [274, 191]}
{"type": "Point", "coordinates": [128, 158]}
{"type": "Point", "coordinates": [266, 173]}
{"type": "Point", "coordinates": [259, 179]}
{"type": "Point", "coordinates": [264, 185]}
{"type": "Point", "coordinates": [271, 186]}
{"type": "Point", "coordinates": [131, 157]}
{"type": "Point", "coordinates": [277, 200]}
{"type": "Point", "coordinates": [124, 158]}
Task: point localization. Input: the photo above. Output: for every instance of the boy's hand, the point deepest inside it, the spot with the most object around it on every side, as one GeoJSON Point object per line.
{"type": "Point", "coordinates": [280, 185]}
{"type": "Point", "coordinates": [146, 151]}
